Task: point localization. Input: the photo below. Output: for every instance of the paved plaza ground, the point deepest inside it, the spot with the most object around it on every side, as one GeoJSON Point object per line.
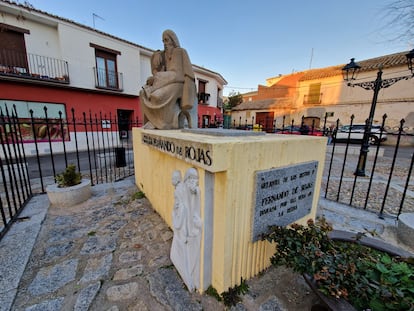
{"type": "Point", "coordinates": [112, 253]}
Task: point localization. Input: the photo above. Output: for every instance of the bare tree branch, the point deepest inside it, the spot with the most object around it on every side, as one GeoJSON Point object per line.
{"type": "Point", "coordinates": [399, 18]}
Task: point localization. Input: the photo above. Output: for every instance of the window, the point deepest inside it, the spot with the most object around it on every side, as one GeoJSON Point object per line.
{"type": "Point", "coordinates": [202, 95]}
{"type": "Point", "coordinates": [314, 94]}
{"type": "Point", "coordinates": [106, 73]}
{"type": "Point", "coordinates": [201, 86]}
{"type": "Point", "coordinates": [106, 70]}
{"type": "Point", "coordinates": [13, 57]}
{"type": "Point", "coordinates": [219, 99]}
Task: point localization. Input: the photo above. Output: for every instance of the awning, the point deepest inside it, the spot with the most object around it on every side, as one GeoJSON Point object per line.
{"type": "Point", "coordinates": [210, 111]}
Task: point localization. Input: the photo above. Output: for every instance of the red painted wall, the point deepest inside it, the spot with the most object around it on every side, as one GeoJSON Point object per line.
{"type": "Point", "coordinates": [81, 101]}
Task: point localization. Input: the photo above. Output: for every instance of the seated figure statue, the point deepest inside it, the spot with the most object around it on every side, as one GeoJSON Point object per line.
{"type": "Point", "coordinates": [170, 92]}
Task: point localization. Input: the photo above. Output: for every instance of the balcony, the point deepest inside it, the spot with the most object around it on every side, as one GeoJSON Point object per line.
{"type": "Point", "coordinates": [312, 99]}
{"type": "Point", "coordinates": [108, 79]}
{"type": "Point", "coordinates": [203, 98]}
{"type": "Point", "coordinates": [33, 67]}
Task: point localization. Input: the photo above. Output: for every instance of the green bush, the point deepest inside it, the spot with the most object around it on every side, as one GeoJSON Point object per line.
{"type": "Point", "coordinates": [232, 296]}
{"type": "Point", "coordinates": [138, 195]}
{"type": "Point", "coordinates": [366, 277]}
{"type": "Point", "coordinates": [69, 177]}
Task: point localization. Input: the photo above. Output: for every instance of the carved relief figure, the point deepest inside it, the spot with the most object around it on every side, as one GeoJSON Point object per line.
{"type": "Point", "coordinates": [170, 93]}
{"type": "Point", "coordinates": [187, 228]}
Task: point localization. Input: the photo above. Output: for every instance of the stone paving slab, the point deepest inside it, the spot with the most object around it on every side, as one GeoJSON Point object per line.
{"type": "Point", "coordinates": [111, 253]}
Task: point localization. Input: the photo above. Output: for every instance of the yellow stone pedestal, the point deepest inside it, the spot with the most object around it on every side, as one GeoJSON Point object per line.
{"type": "Point", "coordinates": [243, 181]}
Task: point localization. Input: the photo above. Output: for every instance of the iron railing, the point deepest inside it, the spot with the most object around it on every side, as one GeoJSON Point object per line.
{"type": "Point", "coordinates": [94, 143]}
{"type": "Point", "coordinates": [387, 189]}
{"type": "Point", "coordinates": [108, 79]}
{"type": "Point", "coordinates": [279, 125]}
{"type": "Point", "coordinates": [97, 146]}
{"type": "Point", "coordinates": [313, 99]}
{"type": "Point", "coordinates": [32, 66]}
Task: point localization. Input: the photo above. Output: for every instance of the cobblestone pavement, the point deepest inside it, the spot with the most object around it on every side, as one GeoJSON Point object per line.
{"type": "Point", "coordinates": [111, 253]}
{"type": "Point", "coordinates": [385, 191]}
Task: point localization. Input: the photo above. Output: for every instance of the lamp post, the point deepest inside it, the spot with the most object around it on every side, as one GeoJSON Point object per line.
{"type": "Point", "coordinates": [350, 72]}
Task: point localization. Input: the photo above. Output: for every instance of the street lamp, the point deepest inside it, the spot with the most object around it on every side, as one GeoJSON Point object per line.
{"type": "Point", "coordinates": [349, 73]}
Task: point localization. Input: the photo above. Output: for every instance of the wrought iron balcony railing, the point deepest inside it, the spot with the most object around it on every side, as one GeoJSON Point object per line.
{"type": "Point", "coordinates": [203, 98]}
{"type": "Point", "coordinates": [32, 66]}
{"type": "Point", "coordinates": [108, 79]}
{"type": "Point", "coordinates": [313, 99]}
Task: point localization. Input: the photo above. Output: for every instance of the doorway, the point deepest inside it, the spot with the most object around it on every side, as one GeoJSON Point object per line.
{"type": "Point", "coordinates": [124, 122]}
{"type": "Point", "coordinates": [265, 119]}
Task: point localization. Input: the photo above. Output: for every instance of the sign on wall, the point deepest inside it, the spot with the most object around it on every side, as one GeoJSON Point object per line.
{"type": "Point", "coordinates": [283, 195]}
{"type": "Point", "coordinates": [30, 124]}
{"type": "Point", "coordinates": [198, 153]}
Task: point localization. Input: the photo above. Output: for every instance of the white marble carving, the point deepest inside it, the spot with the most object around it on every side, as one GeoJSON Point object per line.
{"type": "Point", "coordinates": [187, 228]}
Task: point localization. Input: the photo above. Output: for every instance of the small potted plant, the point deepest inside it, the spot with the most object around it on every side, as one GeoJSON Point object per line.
{"type": "Point", "coordinates": [70, 188]}
{"type": "Point", "coordinates": [354, 273]}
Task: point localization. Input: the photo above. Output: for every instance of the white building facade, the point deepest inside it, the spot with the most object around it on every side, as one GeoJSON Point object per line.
{"type": "Point", "coordinates": [69, 68]}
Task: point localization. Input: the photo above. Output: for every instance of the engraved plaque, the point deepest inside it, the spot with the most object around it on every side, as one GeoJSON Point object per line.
{"type": "Point", "coordinates": [283, 195]}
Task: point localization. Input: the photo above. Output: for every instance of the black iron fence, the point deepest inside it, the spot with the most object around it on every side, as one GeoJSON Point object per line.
{"type": "Point", "coordinates": [282, 125]}
{"type": "Point", "coordinates": [34, 150]}
{"type": "Point", "coordinates": [386, 187]}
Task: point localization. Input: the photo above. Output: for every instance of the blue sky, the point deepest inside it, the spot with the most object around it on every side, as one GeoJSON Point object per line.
{"type": "Point", "coordinates": [246, 41]}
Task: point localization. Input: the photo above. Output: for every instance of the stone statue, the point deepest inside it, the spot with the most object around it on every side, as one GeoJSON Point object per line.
{"type": "Point", "coordinates": [169, 100]}
{"type": "Point", "coordinates": [187, 228]}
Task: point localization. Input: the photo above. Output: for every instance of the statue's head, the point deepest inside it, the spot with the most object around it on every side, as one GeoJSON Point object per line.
{"type": "Point", "coordinates": [191, 179]}
{"type": "Point", "coordinates": [176, 178]}
{"type": "Point", "coordinates": [170, 38]}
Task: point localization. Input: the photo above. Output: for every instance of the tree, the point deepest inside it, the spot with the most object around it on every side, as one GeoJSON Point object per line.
{"type": "Point", "coordinates": [399, 15]}
{"type": "Point", "coordinates": [233, 100]}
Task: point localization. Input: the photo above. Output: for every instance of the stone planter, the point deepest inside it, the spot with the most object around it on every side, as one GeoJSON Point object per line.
{"type": "Point", "coordinates": [69, 196]}
{"type": "Point", "coordinates": [405, 229]}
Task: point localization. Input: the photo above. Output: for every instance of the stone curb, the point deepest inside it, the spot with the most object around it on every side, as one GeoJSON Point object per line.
{"type": "Point", "coordinates": [16, 247]}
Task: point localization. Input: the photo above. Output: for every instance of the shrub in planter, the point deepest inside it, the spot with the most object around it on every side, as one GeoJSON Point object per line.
{"type": "Point", "coordinates": [70, 189]}
{"type": "Point", "coordinates": [365, 277]}
{"type": "Point", "coordinates": [69, 177]}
